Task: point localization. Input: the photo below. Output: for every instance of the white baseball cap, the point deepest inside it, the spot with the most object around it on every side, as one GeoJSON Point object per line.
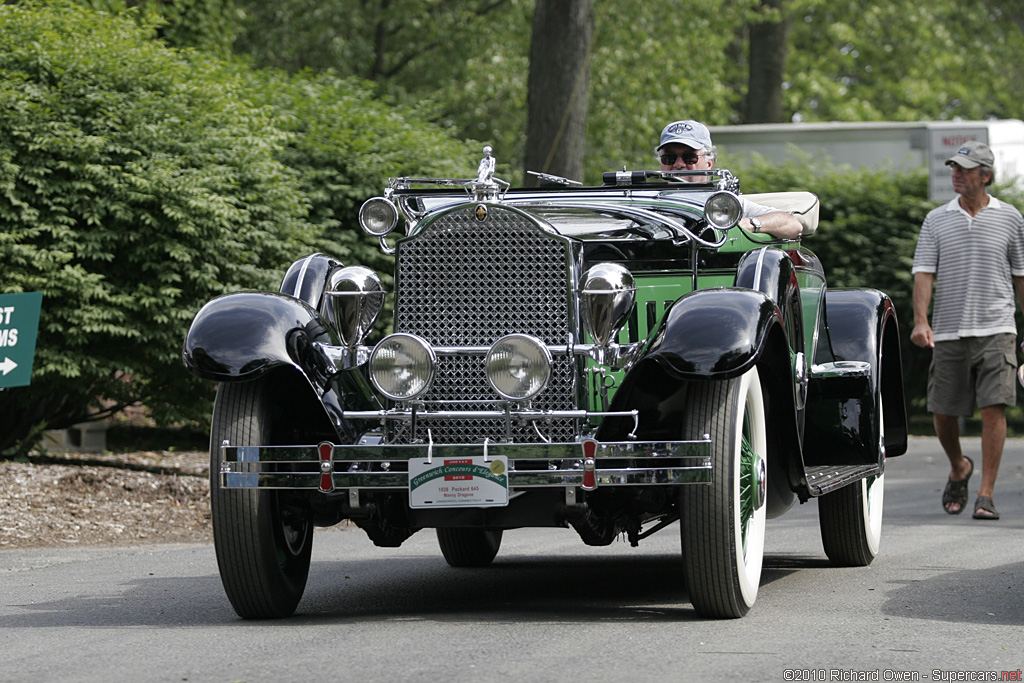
{"type": "Point", "coordinates": [693, 134]}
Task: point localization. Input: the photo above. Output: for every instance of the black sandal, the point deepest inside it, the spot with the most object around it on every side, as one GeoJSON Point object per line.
{"type": "Point", "coordinates": [956, 492]}
{"type": "Point", "coordinates": [984, 508]}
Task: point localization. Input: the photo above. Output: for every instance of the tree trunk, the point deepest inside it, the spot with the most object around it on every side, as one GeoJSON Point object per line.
{"type": "Point", "coordinates": [557, 90]}
{"type": "Point", "coordinates": [767, 60]}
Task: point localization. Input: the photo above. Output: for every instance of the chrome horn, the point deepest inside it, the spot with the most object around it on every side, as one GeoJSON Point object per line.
{"type": "Point", "coordinates": [608, 293]}
{"type": "Point", "coordinates": [352, 302]}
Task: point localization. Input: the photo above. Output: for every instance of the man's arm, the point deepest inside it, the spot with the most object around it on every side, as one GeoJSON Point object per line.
{"type": "Point", "coordinates": [1018, 286]}
{"type": "Point", "coordinates": [923, 283]}
{"type": "Point", "coordinates": [776, 223]}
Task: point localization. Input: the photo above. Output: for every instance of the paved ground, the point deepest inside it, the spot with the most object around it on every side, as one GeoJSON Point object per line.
{"type": "Point", "coordinates": [943, 601]}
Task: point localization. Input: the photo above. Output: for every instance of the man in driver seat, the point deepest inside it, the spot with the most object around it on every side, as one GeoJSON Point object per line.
{"type": "Point", "coordinates": [686, 146]}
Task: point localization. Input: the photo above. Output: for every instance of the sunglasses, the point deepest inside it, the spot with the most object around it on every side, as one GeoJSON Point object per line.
{"type": "Point", "coordinates": [688, 158]}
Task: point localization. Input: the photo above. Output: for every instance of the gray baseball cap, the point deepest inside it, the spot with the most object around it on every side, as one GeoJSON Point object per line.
{"type": "Point", "coordinates": [973, 153]}
{"type": "Point", "coordinates": [690, 133]}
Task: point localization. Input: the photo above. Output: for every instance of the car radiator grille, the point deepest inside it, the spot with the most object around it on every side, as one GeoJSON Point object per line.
{"type": "Point", "coordinates": [463, 282]}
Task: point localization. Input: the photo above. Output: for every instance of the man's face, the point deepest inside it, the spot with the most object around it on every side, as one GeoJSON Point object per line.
{"type": "Point", "coordinates": [968, 180]}
{"type": "Point", "coordinates": [685, 159]}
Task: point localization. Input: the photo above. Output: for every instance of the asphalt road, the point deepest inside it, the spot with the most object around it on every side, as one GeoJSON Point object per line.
{"type": "Point", "coordinates": [943, 601]}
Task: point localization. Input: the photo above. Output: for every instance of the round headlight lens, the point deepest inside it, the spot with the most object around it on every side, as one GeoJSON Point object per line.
{"type": "Point", "coordinates": [378, 216]}
{"type": "Point", "coordinates": [722, 210]}
{"type": "Point", "coordinates": [518, 366]}
{"type": "Point", "coordinates": [402, 366]}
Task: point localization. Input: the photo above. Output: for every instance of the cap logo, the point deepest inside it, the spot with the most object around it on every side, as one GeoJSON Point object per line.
{"type": "Point", "coordinates": [679, 128]}
{"type": "Point", "coordinates": [966, 151]}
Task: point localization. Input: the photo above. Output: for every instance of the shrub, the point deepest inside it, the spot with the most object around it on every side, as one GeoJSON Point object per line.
{"type": "Point", "coordinates": [138, 182]}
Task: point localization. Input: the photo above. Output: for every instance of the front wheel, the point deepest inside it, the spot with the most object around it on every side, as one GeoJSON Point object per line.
{"type": "Point", "coordinates": [263, 538]}
{"type": "Point", "coordinates": [469, 547]}
{"type": "Point", "coordinates": [722, 524]}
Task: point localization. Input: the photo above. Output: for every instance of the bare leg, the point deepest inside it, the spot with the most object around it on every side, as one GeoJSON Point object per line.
{"type": "Point", "coordinates": [947, 428]}
{"type": "Point", "coordinates": [993, 436]}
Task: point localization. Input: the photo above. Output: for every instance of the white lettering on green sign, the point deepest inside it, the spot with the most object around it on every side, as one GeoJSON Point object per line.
{"type": "Point", "coordinates": [19, 323]}
{"type": "Point", "coordinates": [8, 337]}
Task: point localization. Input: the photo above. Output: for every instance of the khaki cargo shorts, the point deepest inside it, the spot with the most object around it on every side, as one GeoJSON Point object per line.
{"type": "Point", "coordinates": [972, 370]}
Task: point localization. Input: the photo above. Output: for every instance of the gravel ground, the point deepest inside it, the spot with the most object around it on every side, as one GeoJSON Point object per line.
{"type": "Point", "coordinates": [105, 499]}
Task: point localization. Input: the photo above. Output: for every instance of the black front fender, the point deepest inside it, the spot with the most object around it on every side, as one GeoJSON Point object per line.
{"type": "Point", "coordinates": [244, 335]}
{"type": "Point", "coordinates": [713, 333]}
{"type": "Point", "coordinates": [717, 334]}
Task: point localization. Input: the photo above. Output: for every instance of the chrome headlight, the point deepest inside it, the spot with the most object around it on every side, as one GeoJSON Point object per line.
{"type": "Point", "coordinates": [402, 366]}
{"type": "Point", "coordinates": [352, 302]}
{"type": "Point", "coordinates": [518, 366]}
{"type": "Point", "coordinates": [608, 292]}
{"type": "Point", "coordinates": [722, 210]}
{"type": "Point", "coordinates": [378, 216]}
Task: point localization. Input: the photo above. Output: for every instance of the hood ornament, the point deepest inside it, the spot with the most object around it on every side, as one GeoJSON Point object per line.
{"type": "Point", "coordinates": [486, 186]}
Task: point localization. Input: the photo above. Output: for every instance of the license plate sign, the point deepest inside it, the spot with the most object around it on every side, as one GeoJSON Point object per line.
{"type": "Point", "coordinates": [476, 482]}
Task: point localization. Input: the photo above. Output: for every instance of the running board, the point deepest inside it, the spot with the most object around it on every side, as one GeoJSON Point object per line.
{"type": "Point", "coordinates": [824, 479]}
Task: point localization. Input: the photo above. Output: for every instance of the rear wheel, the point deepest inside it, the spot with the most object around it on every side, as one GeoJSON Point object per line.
{"type": "Point", "coordinates": [851, 518]}
{"type": "Point", "coordinates": [469, 547]}
{"type": "Point", "coordinates": [722, 524]}
{"type": "Point", "coordinates": [263, 538]}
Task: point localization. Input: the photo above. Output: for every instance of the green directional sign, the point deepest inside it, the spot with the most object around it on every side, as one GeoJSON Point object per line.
{"type": "Point", "coordinates": [19, 323]}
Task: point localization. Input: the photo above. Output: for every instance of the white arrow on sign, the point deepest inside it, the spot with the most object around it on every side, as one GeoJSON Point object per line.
{"type": "Point", "coordinates": [7, 365]}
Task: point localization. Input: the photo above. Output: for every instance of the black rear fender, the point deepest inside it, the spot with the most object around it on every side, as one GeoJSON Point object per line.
{"type": "Point", "coordinates": [861, 326]}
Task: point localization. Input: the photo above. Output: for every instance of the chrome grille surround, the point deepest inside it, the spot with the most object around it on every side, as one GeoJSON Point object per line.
{"type": "Point", "coordinates": [468, 282]}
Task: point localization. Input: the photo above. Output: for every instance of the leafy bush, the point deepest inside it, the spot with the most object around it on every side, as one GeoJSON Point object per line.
{"type": "Point", "coordinates": [137, 183]}
{"type": "Point", "coordinates": [208, 25]}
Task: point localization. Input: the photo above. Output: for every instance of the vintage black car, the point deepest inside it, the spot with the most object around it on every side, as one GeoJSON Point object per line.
{"type": "Point", "coordinates": [613, 359]}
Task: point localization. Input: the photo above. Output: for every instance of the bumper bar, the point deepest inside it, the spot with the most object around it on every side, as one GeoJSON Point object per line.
{"type": "Point", "coordinates": [328, 467]}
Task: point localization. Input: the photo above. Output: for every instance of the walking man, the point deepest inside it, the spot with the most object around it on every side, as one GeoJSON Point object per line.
{"type": "Point", "coordinates": [971, 251]}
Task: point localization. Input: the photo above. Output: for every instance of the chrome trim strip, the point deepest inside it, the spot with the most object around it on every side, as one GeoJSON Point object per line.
{"type": "Point", "coordinates": [842, 368]}
{"type": "Point", "coordinates": [521, 415]}
{"type": "Point", "coordinates": [553, 349]}
{"type": "Point", "coordinates": [651, 463]}
{"type": "Point", "coordinates": [762, 253]}
{"type": "Point", "coordinates": [297, 293]}
{"type": "Point", "coordinates": [646, 214]}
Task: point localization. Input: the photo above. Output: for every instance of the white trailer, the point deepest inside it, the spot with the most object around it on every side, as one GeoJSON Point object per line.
{"type": "Point", "coordinates": [896, 145]}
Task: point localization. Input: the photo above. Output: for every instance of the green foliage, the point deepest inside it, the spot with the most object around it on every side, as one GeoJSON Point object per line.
{"type": "Point", "coordinates": [137, 183]}
{"type": "Point", "coordinates": [208, 25]}
{"type": "Point", "coordinates": [122, 169]}
{"type": "Point", "coordinates": [652, 63]}
{"type": "Point", "coordinates": [461, 64]}
{"type": "Point", "coordinates": [644, 72]}
{"type": "Point", "coordinates": [655, 63]}
{"type": "Point", "coordinates": [903, 61]}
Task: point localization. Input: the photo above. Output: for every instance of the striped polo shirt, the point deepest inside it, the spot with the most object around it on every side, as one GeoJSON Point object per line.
{"type": "Point", "coordinates": [974, 261]}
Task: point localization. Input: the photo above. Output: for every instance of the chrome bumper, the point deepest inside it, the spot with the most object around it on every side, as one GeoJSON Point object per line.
{"type": "Point", "coordinates": [329, 467]}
